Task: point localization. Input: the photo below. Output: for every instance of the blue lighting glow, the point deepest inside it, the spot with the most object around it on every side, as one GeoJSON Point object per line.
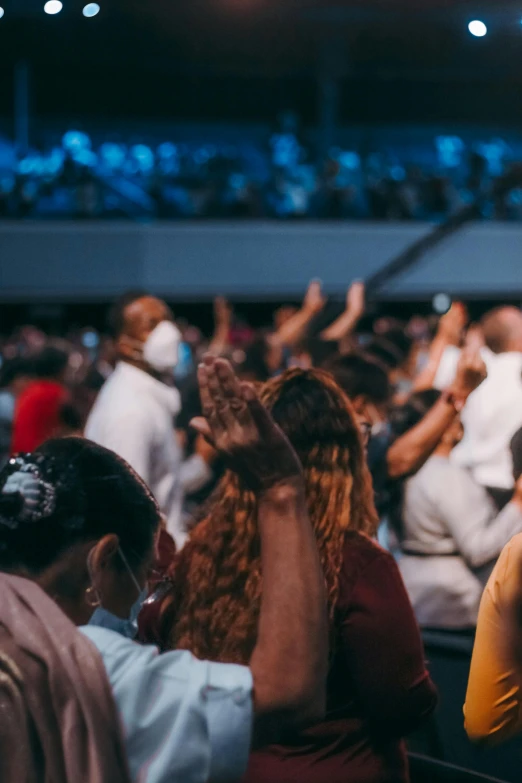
{"type": "Point", "coordinates": [1, 12]}
{"type": "Point", "coordinates": [477, 28]}
{"type": "Point", "coordinates": [53, 7]}
{"type": "Point", "coordinates": [91, 9]}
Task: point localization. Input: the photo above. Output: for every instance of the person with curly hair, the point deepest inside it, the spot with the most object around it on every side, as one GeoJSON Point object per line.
{"type": "Point", "coordinates": [378, 689]}
{"type": "Point", "coordinates": [78, 533]}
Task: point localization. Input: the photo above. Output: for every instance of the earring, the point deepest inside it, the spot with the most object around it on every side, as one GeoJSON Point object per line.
{"type": "Point", "coordinates": [92, 597]}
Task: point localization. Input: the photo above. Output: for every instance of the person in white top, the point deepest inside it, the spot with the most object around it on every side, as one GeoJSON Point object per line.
{"type": "Point", "coordinates": [493, 413]}
{"type": "Point", "coordinates": [451, 531]}
{"type": "Point", "coordinates": [135, 411]}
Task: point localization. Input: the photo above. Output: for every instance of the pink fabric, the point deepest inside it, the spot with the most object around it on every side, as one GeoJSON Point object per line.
{"type": "Point", "coordinates": [55, 699]}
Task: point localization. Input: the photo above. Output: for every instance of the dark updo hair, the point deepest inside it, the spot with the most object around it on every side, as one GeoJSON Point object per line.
{"type": "Point", "coordinates": [70, 491]}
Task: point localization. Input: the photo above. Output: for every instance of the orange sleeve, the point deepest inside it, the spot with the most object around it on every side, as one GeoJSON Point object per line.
{"type": "Point", "coordinates": [493, 701]}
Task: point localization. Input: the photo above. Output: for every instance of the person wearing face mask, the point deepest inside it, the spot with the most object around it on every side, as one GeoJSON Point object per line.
{"type": "Point", "coordinates": [77, 536]}
{"type": "Point", "coordinates": [135, 411]}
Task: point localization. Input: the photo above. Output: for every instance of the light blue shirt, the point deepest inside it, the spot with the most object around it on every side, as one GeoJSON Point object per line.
{"type": "Point", "coordinates": [184, 720]}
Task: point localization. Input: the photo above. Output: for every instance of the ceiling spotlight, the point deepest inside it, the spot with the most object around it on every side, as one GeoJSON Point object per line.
{"type": "Point", "coordinates": [91, 9]}
{"type": "Point", "coordinates": [441, 303]}
{"type": "Point", "coordinates": [477, 28]}
{"type": "Point", "coordinates": [53, 7]}
{"type": "Point", "coordinates": [2, 12]}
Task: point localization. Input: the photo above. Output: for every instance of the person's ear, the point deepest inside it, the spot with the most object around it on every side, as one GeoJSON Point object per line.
{"type": "Point", "coordinates": [359, 403]}
{"type": "Point", "coordinates": [103, 554]}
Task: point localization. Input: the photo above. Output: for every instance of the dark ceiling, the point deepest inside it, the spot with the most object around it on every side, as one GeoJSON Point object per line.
{"type": "Point", "coordinates": [399, 60]}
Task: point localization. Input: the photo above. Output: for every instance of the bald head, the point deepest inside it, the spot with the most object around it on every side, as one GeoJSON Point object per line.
{"type": "Point", "coordinates": [502, 329]}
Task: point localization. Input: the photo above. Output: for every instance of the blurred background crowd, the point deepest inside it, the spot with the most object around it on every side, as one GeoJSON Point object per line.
{"type": "Point", "coordinates": [250, 172]}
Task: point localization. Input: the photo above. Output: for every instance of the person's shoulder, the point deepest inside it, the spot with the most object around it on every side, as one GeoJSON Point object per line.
{"type": "Point", "coordinates": [43, 392]}
{"type": "Point", "coordinates": [502, 366]}
{"type": "Point", "coordinates": [360, 552]}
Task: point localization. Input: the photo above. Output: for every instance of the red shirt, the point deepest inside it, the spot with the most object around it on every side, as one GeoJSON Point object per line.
{"type": "Point", "coordinates": [378, 687]}
{"type": "Point", "coordinates": [37, 415]}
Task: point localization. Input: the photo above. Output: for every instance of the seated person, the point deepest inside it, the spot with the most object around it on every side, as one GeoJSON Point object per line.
{"type": "Point", "coordinates": [378, 688]}
{"type": "Point", "coordinates": [450, 530]}
{"type": "Point", "coordinates": [77, 539]}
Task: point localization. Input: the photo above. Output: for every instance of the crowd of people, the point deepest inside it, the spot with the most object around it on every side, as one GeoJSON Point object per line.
{"type": "Point", "coordinates": [283, 178]}
{"type": "Point", "coordinates": [216, 551]}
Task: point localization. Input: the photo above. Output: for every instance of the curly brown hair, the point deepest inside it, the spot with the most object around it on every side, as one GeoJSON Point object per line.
{"type": "Point", "coordinates": [213, 607]}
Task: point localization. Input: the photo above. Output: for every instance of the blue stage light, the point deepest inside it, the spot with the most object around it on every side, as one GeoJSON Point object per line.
{"type": "Point", "coordinates": [91, 9]}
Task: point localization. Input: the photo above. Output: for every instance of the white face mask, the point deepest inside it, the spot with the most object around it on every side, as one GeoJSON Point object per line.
{"type": "Point", "coordinates": [161, 348]}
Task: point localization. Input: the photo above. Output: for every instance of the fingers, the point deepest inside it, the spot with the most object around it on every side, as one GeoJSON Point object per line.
{"type": "Point", "coordinates": [228, 380]}
{"type": "Point", "coordinates": [259, 413]}
{"type": "Point", "coordinates": [207, 402]}
{"type": "Point", "coordinates": [224, 405]}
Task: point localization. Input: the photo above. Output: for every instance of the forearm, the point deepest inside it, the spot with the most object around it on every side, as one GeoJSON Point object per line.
{"type": "Point", "coordinates": [294, 328]}
{"type": "Point", "coordinates": [220, 340]}
{"type": "Point", "coordinates": [481, 544]}
{"type": "Point", "coordinates": [289, 662]}
{"type": "Point", "coordinates": [426, 378]}
{"type": "Point", "coordinates": [342, 326]}
{"type": "Point", "coordinates": [409, 452]}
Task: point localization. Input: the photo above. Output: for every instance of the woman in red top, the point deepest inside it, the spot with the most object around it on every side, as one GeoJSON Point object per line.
{"type": "Point", "coordinates": [39, 408]}
{"type": "Point", "coordinates": [378, 688]}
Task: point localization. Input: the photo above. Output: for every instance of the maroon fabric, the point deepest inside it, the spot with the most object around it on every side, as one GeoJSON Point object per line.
{"type": "Point", "coordinates": [378, 688]}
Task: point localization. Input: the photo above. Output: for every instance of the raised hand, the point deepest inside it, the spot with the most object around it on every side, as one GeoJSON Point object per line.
{"type": "Point", "coordinates": [471, 370]}
{"type": "Point", "coordinates": [314, 299]}
{"type": "Point", "coordinates": [242, 430]}
{"type": "Point", "coordinates": [355, 299]}
{"type": "Point", "coordinates": [453, 323]}
{"type": "Point", "coordinates": [222, 310]}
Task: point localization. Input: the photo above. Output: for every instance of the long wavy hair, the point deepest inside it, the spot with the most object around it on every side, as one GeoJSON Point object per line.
{"type": "Point", "coordinates": [213, 607]}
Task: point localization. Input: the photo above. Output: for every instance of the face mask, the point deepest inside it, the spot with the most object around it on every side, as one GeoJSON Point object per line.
{"type": "Point", "coordinates": [161, 348]}
{"type": "Point", "coordinates": [102, 618]}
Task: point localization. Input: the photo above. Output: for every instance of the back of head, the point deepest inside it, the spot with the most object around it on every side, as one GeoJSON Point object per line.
{"type": "Point", "coordinates": [360, 376]}
{"type": "Point", "coordinates": [255, 365]}
{"type": "Point", "coordinates": [51, 362]}
{"type": "Point", "coordinates": [319, 422]}
{"type": "Point", "coordinates": [400, 339]}
{"type": "Point", "coordinates": [516, 453]}
{"type": "Point", "coordinates": [407, 416]}
{"type": "Point", "coordinates": [116, 318]}
{"type": "Point", "coordinates": [320, 351]}
{"type": "Point", "coordinates": [388, 354]}
{"type": "Point", "coordinates": [219, 570]}
{"type": "Point", "coordinates": [502, 329]}
{"type": "Point", "coordinates": [14, 369]}
{"type": "Point", "coordinates": [71, 491]}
